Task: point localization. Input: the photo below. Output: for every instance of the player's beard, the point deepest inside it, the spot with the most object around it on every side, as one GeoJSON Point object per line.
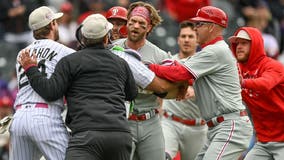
{"type": "Point", "coordinates": [187, 50]}
{"type": "Point", "coordinates": [137, 37]}
{"type": "Point", "coordinates": [242, 56]}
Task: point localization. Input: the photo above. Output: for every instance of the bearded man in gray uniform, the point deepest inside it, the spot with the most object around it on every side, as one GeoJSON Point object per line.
{"type": "Point", "coordinates": [217, 87]}
{"type": "Point", "coordinates": [144, 121]}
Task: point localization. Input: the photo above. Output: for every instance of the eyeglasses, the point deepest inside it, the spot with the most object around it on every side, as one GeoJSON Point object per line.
{"type": "Point", "coordinates": [199, 24]}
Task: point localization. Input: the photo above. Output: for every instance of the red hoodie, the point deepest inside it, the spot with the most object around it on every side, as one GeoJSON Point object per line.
{"type": "Point", "coordinates": [263, 89]}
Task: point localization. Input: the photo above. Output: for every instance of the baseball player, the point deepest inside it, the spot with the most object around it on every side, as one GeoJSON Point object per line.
{"type": "Point", "coordinates": [262, 82]}
{"type": "Point", "coordinates": [216, 86]}
{"type": "Point", "coordinates": [144, 121]}
{"type": "Point", "coordinates": [184, 129]}
{"type": "Point", "coordinates": [144, 77]}
{"type": "Point", "coordinates": [38, 128]}
{"type": "Point", "coordinates": [96, 83]}
{"type": "Point", "coordinates": [118, 17]}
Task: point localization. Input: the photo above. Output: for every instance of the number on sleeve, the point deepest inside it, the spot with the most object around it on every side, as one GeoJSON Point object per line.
{"type": "Point", "coordinates": [22, 75]}
{"type": "Point", "coordinates": [41, 66]}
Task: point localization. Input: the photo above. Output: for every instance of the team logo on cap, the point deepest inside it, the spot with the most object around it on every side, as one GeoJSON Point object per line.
{"type": "Point", "coordinates": [209, 12]}
{"type": "Point", "coordinates": [114, 11]}
{"type": "Point", "coordinates": [48, 16]}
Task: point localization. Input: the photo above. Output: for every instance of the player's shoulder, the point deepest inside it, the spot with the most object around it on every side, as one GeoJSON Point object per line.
{"type": "Point", "coordinates": [273, 63]}
{"type": "Point", "coordinates": [60, 49]}
{"type": "Point", "coordinates": [120, 42]}
{"type": "Point", "coordinates": [63, 47]}
{"type": "Point", "coordinates": [115, 47]}
{"type": "Point", "coordinates": [153, 48]}
{"type": "Point", "coordinates": [56, 45]}
{"type": "Point", "coordinates": [220, 47]}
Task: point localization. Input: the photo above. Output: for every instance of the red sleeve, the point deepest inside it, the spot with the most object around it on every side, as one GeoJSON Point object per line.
{"type": "Point", "coordinates": [171, 73]}
{"type": "Point", "coordinates": [272, 76]}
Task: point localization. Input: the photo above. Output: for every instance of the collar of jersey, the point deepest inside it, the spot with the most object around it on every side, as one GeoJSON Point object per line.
{"type": "Point", "coordinates": [219, 38]}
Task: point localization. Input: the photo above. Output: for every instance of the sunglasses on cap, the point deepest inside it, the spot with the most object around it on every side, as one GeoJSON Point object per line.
{"type": "Point", "coordinates": [199, 24]}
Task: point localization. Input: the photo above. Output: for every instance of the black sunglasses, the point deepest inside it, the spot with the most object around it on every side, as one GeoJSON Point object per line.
{"type": "Point", "coordinates": [199, 24]}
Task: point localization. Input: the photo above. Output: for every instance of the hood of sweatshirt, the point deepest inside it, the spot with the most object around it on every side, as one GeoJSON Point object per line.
{"type": "Point", "coordinates": [257, 51]}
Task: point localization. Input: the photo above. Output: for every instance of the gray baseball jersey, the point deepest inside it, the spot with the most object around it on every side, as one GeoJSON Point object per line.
{"type": "Point", "coordinates": [218, 93]}
{"type": "Point", "coordinates": [38, 128]}
{"type": "Point", "coordinates": [148, 142]}
{"type": "Point", "coordinates": [142, 75]}
{"type": "Point", "coordinates": [178, 136]}
{"type": "Point", "coordinates": [149, 54]}
{"type": "Point", "coordinates": [186, 109]}
{"type": "Point", "coordinates": [217, 88]}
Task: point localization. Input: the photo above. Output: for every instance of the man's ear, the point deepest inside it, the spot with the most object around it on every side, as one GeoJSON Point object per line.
{"type": "Point", "coordinates": [106, 39]}
{"type": "Point", "coordinates": [149, 28]}
{"type": "Point", "coordinates": [52, 24]}
{"type": "Point", "coordinates": [213, 27]}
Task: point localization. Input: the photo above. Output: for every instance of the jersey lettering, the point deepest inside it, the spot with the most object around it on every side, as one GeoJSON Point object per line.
{"type": "Point", "coordinates": [45, 53]}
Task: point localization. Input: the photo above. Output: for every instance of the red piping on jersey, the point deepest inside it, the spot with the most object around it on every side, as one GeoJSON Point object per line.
{"type": "Point", "coordinates": [228, 140]}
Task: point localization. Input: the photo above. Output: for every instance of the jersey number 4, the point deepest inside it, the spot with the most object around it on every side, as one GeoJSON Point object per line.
{"type": "Point", "coordinates": [41, 66]}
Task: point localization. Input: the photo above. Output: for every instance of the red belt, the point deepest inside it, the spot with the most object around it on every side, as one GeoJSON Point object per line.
{"type": "Point", "coordinates": [220, 119]}
{"type": "Point", "coordinates": [189, 122]}
{"type": "Point", "coordinates": [143, 117]}
{"type": "Point", "coordinates": [36, 105]}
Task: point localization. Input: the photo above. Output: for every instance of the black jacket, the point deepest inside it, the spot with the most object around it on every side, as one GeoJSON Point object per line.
{"type": "Point", "coordinates": [95, 83]}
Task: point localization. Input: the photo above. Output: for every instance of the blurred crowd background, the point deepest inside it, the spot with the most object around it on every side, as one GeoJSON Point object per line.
{"type": "Point", "coordinates": [266, 15]}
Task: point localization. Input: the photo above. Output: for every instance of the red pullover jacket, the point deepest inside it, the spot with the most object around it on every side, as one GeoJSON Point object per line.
{"type": "Point", "coordinates": [263, 89]}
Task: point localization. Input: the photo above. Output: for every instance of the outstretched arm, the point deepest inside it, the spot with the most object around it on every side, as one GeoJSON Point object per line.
{"type": "Point", "coordinates": [166, 89]}
{"type": "Point", "coordinates": [174, 73]}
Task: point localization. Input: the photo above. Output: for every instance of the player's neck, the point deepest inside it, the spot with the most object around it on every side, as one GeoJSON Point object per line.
{"type": "Point", "coordinates": [135, 45]}
{"type": "Point", "coordinates": [50, 36]}
{"type": "Point", "coordinates": [182, 55]}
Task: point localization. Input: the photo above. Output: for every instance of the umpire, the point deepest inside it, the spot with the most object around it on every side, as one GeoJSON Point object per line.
{"type": "Point", "coordinates": [95, 83]}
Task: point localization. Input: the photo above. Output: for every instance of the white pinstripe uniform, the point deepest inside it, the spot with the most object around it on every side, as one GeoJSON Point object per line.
{"type": "Point", "coordinates": [38, 128]}
{"type": "Point", "coordinates": [142, 75]}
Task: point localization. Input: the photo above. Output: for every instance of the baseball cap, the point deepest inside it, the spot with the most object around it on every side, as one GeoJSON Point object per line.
{"type": "Point", "coordinates": [241, 34]}
{"type": "Point", "coordinates": [66, 7]}
{"type": "Point", "coordinates": [42, 16]}
{"type": "Point", "coordinates": [211, 14]}
{"type": "Point", "coordinates": [95, 26]}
